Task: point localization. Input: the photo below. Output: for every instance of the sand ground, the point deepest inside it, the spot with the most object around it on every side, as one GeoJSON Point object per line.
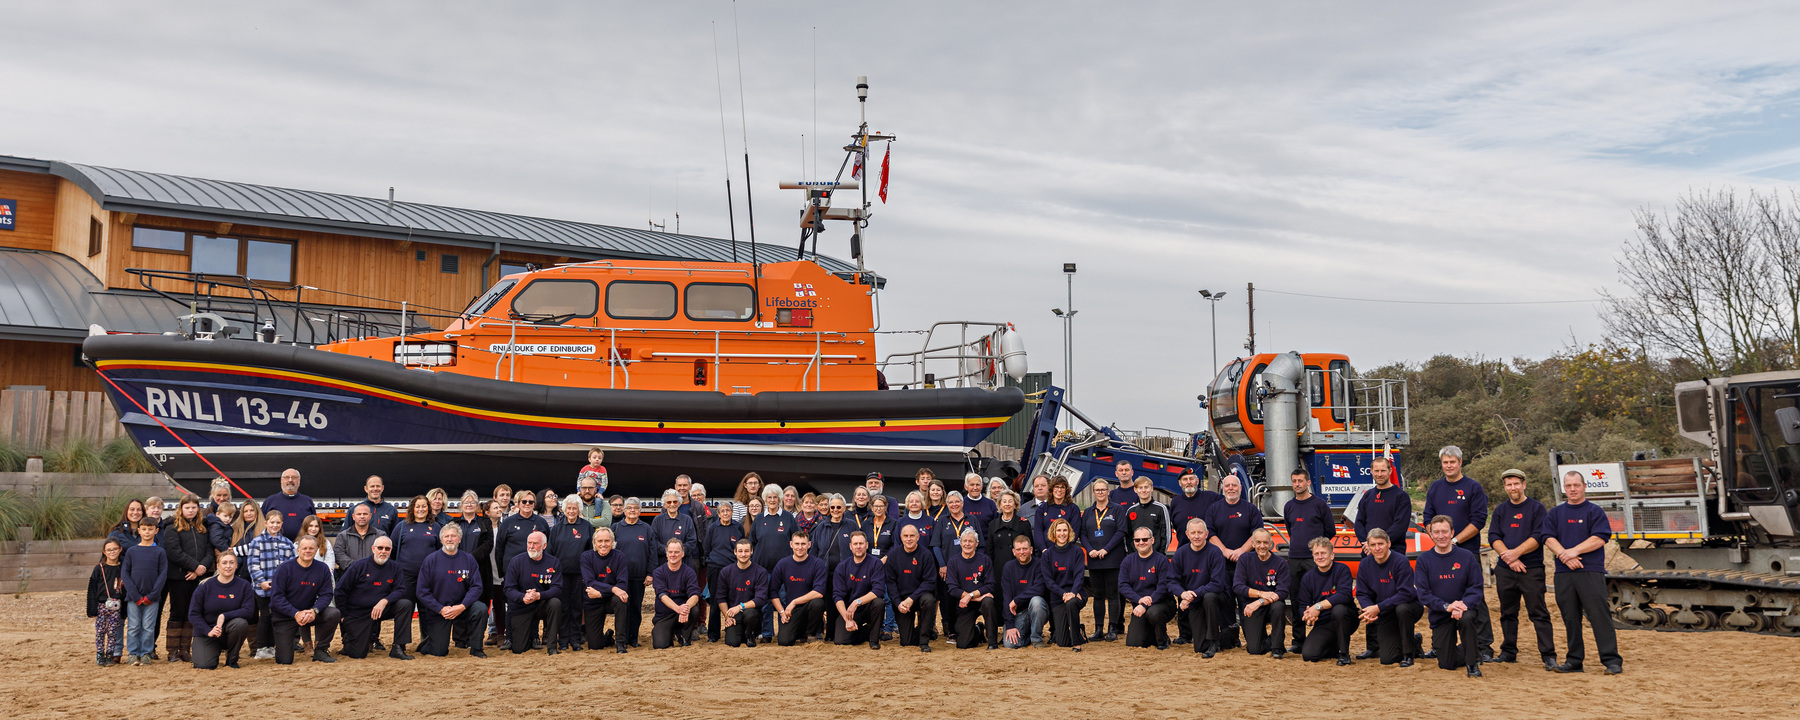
{"type": "Point", "coordinates": [46, 654]}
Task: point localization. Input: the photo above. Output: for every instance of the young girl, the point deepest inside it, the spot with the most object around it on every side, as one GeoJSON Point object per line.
{"type": "Point", "coordinates": [266, 552]}
{"type": "Point", "coordinates": [142, 572]}
{"type": "Point", "coordinates": [106, 604]}
{"type": "Point", "coordinates": [312, 525]}
{"type": "Point", "coordinates": [220, 526]}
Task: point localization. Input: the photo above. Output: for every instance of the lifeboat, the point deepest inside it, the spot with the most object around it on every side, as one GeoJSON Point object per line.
{"type": "Point", "coordinates": [671, 367]}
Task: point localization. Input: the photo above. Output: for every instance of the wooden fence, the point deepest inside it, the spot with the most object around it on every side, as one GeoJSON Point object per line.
{"type": "Point", "coordinates": [82, 486]}
{"type": "Point", "coordinates": [47, 566]}
{"type": "Point", "coordinates": [38, 419]}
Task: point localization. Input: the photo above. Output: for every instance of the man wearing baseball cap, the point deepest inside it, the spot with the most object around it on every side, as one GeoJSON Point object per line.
{"type": "Point", "coordinates": [876, 485]}
{"type": "Point", "coordinates": [1516, 535]}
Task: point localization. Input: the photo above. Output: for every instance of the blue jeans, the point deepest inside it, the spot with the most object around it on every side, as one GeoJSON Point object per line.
{"type": "Point", "coordinates": [1029, 623]}
{"type": "Point", "coordinates": [887, 616]}
{"type": "Point", "coordinates": [140, 627]}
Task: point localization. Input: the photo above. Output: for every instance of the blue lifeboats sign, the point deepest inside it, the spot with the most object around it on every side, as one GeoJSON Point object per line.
{"type": "Point", "coordinates": [9, 214]}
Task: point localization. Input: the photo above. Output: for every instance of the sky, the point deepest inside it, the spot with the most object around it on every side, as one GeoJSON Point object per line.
{"type": "Point", "coordinates": [1431, 153]}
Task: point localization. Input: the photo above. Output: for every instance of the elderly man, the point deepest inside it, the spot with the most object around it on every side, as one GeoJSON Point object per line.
{"type": "Point", "coordinates": [1262, 589]}
{"type": "Point", "coordinates": [981, 508]}
{"type": "Point", "coordinates": [369, 591]}
{"type": "Point", "coordinates": [1463, 500]}
{"type": "Point", "coordinates": [1203, 593]}
{"type": "Point", "coordinates": [1329, 591]}
{"type": "Point", "coordinates": [383, 514]}
{"type": "Point", "coordinates": [1448, 583]}
{"type": "Point", "coordinates": [876, 484]}
{"type": "Point", "coordinates": [1231, 521]}
{"type": "Point", "coordinates": [533, 595]}
{"type": "Point", "coordinates": [449, 591]}
{"type": "Point", "coordinates": [509, 542]}
{"type": "Point", "coordinates": [293, 506]}
{"type": "Point", "coordinates": [1040, 494]}
{"type": "Point", "coordinates": [740, 591]}
{"type": "Point", "coordinates": [1146, 582]}
{"type": "Point", "coordinates": [1390, 609]}
{"type": "Point", "coordinates": [912, 578]}
{"type": "Point", "coordinates": [1576, 533]}
{"type": "Point", "coordinates": [970, 576]}
{"type": "Point", "coordinates": [1516, 532]}
{"type": "Point", "coordinates": [300, 597]}
{"type": "Point", "coordinates": [604, 580]}
{"type": "Point", "coordinates": [357, 540]}
{"type": "Point", "coordinates": [683, 484]}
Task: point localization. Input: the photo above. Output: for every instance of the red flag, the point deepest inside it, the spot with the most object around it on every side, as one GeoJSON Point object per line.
{"type": "Point", "coordinates": [884, 172]}
{"type": "Point", "coordinates": [856, 169]}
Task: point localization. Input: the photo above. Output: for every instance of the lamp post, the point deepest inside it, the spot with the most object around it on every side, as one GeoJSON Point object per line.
{"type": "Point", "coordinates": [1068, 319]}
{"type": "Point", "coordinates": [1213, 299]}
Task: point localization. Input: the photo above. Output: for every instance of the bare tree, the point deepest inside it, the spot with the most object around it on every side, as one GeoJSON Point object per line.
{"type": "Point", "coordinates": [1717, 282]}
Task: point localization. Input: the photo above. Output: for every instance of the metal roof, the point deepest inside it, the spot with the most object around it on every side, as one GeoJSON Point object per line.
{"type": "Point", "coordinates": [224, 201]}
{"type": "Point", "coordinates": [49, 296]}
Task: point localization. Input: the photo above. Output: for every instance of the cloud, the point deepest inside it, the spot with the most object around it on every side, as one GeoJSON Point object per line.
{"type": "Point", "coordinates": [1404, 151]}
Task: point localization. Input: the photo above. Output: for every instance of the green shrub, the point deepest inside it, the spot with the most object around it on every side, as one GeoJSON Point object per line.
{"type": "Point", "coordinates": [122, 455]}
{"type": "Point", "coordinates": [12, 457]}
{"type": "Point", "coordinates": [55, 516]}
{"type": "Point", "coordinates": [78, 456]}
{"type": "Point", "coordinates": [106, 513]}
{"type": "Point", "coordinates": [12, 513]}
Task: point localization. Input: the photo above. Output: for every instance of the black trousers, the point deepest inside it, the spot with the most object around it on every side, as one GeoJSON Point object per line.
{"type": "Point", "coordinates": [360, 630]}
{"type": "Point", "coordinates": [1512, 587]}
{"type": "Point", "coordinates": [806, 616]}
{"type": "Point", "coordinates": [434, 630]}
{"type": "Point", "coordinates": [631, 619]}
{"type": "Point", "coordinates": [1329, 636]}
{"type": "Point", "coordinates": [265, 624]}
{"type": "Point", "coordinates": [912, 623]}
{"type": "Point", "coordinates": [987, 610]}
{"type": "Point", "coordinates": [1583, 594]}
{"type": "Point", "coordinates": [749, 623]}
{"type": "Point", "coordinates": [1206, 617]}
{"type": "Point", "coordinates": [1151, 628]}
{"type": "Point", "coordinates": [1103, 587]}
{"type": "Point", "coordinates": [521, 617]}
{"type": "Point", "coordinates": [713, 619]}
{"type": "Point", "coordinates": [286, 630]}
{"type": "Point", "coordinates": [593, 619]}
{"type": "Point", "coordinates": [1234, 606]}
{"type": "Point", "coordinates": [1263, 629]}
{"type": "Point", "coordinates": [1391, 635]}
{"type": "Point", "coordinates": [664, 629]}
{"type": "Point", "coordinates": [572, 594]}
{"type": "Point", "coordinates": [1065, 620]}
{"type": "Point", "coordinates": [1296, 570]}
{"type": "Point", "coordinates": [231, 639]}
{"type": "Point", "coordinates": [868, 624]}
{"type": "Point", "coordinates": [1456, 641]}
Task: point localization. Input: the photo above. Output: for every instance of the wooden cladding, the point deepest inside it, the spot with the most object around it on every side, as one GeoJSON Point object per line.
{"type": "Point", "coordinates": [39, 419]}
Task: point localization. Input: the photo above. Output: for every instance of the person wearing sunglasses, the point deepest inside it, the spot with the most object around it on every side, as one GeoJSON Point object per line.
{"type": "Point", "coordinates": [1147, 583]}
{"type": "Point", "coordinates": [510, 538]}
{"type": "Point", "coordinates": [371, 591]}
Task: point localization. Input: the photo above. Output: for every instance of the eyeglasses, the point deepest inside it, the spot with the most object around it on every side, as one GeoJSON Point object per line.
{"type": "Point", "coordinates": [1140, 540]}
{"type": "Point", "coordinates": [527, 502]}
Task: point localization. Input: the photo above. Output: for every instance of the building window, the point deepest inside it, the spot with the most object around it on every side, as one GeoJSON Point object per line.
{"type": "Point", "coordinates": [448, 263]}
{"type": "Point", "coordinates": [156, 239]}
{"type": "Point", "coordinates": [263, 260]}
{"type": "Point", "coordinates": [94, 236]}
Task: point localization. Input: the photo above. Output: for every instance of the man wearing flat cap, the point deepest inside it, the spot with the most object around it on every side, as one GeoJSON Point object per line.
{"type": "Point", "coordinates": [1516, 535]}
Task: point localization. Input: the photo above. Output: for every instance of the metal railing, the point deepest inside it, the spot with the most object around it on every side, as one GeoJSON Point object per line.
{"type": "Point", "coordinates": [812, 378]}
{"type": "Point", "coordinates": [977, 360]}
{"type": "Point", "coordinates": [309, 325]}
{"type": "Point", "coordinates": [1372, 410]}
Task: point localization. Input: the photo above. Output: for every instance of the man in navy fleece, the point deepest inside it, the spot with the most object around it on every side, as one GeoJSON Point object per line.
{"type": "Point", "coordinates": [1576, 532]}
{"type": "Point", "coordinates": [1023, 609]}
{"type": "Point", "coordinates": [1462, 499]}
{"type": "Point", "coordinates": [293, 506]}
{"type": "Point", "coordinates": [1390, 609]}
{"type": "Point", "coordinates": [1203, 595]}
{"type": "Point", "coordinates": [1517, 535]}
{"type": "Point", "coordinates": [797, 588]}
{"type": "Point", "coordinates": [301, 600]}
{"type": "Point", "coordinates": [1448, 583]}
{"type": "Point", "coordinates": [1307, 516]}
{"type": "Point", "coordinates": [1261, 586]}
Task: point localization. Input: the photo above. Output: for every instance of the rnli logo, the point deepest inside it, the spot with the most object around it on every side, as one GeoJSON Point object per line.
{"type": "Point", "coordinates": [796, 579]}
{"type": "Point", "coordinates": [1576, 521]}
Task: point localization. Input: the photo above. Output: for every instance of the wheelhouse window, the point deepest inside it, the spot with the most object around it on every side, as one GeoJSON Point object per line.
{"type": "Point", "coordinates": [1223, 404]}
{"type": "Point", "coordinates": [556, 301]}
{"type": "Point", "coordinates": [636, 300]}
{"type": "Point", "coordinates": [486, 301]}
{"type": "Point", "coordinates": [258, 259]}
{"type": "Point", "coordinates": [720, 301]}
{"type": "Point", "coordinates": [1340, 390]}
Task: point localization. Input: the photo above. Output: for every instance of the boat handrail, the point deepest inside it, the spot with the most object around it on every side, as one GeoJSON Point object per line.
{"type": "Point", "coordinates": [965, 352]}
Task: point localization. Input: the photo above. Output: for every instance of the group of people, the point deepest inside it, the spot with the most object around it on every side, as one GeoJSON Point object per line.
{"type": "Point", "coordinates": [976, 566]}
